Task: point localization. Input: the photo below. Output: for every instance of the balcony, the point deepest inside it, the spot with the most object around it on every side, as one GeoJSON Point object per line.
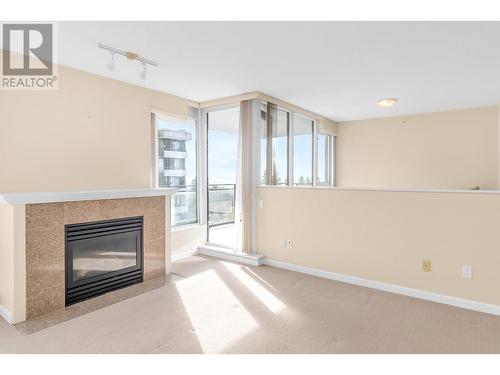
{"type": "Point", "coordinates": [221, 201]}
{"type": "Point", "coordinates": [221, 211]}
{"type": "Point", "coordinates": [181, 135]}
{"type": "Point", "coordinates": [184, 206]}
{"type": "Point", "coordinates": [221, 214]}
{"type": "Point", "coordinates": [175, 154]}
{"type": "Point", "coordinates": [174, 172]}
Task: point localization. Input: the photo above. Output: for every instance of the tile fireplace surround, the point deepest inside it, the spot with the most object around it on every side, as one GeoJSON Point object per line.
{"type": "Point", "coordinates": [32, 248]}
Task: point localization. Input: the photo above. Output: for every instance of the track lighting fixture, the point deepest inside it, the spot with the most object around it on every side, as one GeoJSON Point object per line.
{"type": "Point", "coordinates": [132, 56]}
{"type": "Point", "coordinates": [111, 65]}
{"type": "Point", "coordinates": [144, 72]}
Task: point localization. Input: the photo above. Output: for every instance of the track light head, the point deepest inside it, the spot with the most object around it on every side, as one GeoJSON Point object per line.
{"type": "Point", "coordinates": [111, 65]}
{"type": "Point", "coordinates": [129, 55]}
{"type": "Point", "coordinates": [144, 71]}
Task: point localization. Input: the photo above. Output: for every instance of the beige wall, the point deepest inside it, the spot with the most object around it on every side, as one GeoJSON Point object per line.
{"type": "Point", "coordinates": [498, 148]}
{"type": "Point", "coordinates": [186, 240]}
{"type": "Point", "coordinates": [449, 150]}
{"type": "Point", "coordinates": [91, 133]}
{"type": "Point", "coordinates": [384, 236]}
{"type": "Point", "coordinates": [7, 258]}
{"type": "Point", "coordinates": [12, 262]}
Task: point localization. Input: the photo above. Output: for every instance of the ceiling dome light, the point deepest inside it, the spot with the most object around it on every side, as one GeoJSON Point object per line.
{"type": "Point", "coordinates": [387, 102]}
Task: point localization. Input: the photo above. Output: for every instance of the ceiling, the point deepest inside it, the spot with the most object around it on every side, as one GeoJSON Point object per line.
{"type": "Point", "coordinates": [336, 69]}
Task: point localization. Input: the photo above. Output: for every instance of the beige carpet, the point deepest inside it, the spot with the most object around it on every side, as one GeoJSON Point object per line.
{"type": "Point", "coordinates": [222, 307]}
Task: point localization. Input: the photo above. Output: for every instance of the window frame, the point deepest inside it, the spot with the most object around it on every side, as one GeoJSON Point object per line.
{"type": "Point", "coordinates": [316, 130]}
{"type": "Point", "coordinates": [330, 159]}
{"type": "Point", "coordinates": [193, 118]}
{"type": "Point", "coordinates": [292, 149]}
{"type": "Point", "coordinates": [289, 147]}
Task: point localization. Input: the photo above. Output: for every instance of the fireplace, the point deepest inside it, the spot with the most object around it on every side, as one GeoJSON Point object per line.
{"type": "Point", "coordinates": [102, 256]}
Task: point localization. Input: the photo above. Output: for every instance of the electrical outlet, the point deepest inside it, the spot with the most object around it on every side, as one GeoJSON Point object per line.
{"type": "Point", "coordinates": [467, 272]}
{"type": "Point", "coordinates": [261, 203]}
{"type": "Point", "coordinates": [289, 244]}
{"type": "Point", "coordinates": [426, 265]}
{"type": "Point", "coordinates": [283, 243]}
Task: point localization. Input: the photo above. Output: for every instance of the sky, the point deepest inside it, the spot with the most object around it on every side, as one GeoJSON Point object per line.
{"type": "Point", "coordinates": [222, 157]}
{"type": "Point", "coordinates": [223, 151]}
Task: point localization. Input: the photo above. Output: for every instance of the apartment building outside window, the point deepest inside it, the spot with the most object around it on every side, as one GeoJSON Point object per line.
{"type": "Point", "coordinates": [177, 167]}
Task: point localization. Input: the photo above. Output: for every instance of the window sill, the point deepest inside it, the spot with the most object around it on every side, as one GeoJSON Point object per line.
{"type": "Point", "coordinates": [181, 228]}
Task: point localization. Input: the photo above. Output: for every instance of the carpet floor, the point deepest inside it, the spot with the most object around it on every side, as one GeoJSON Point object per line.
{"type": "Point", "coordinates": [223, 307]}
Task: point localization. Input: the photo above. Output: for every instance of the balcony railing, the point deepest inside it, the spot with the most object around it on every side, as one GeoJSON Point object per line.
{"type": "Point", "coordinates": [221, 201]}
{"type": "Point", "coordinates": [184, 208]}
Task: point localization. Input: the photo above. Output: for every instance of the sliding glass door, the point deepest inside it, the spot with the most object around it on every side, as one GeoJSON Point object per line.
{"type": "Point", "coordinates": [222, 169]}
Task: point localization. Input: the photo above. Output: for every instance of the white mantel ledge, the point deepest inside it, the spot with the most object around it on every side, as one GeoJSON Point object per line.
{"type": "Point", "coordinates": [68, 196]}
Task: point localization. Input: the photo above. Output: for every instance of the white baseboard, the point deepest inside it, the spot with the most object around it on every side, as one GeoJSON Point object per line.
{"type": "Point", "coordinates": [416, 293]}
{"type": "Point", "coordinates": [249, 259]}
{"type": "Point", "coordinates": [183, 255]}
{"type": "Point", "coordinates": [4, 313]}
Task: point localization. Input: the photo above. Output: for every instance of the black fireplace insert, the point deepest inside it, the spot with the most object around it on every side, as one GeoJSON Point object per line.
{"type": "Point", "coordinates": [103, 256]}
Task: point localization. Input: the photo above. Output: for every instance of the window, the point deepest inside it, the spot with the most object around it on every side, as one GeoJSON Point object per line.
{"type": "Point", "coordinates": [176, 162]}
{"type": "Point", "coordinates": [302, 150]}
{"type": "Point", "coordinates": [263, 144]}
{"type": "Point", "coordinates": [298, 153]}
{"type": "Point", "coordinates": [279, 171]}
{"type": "Point", "coordinates": [274, 125]}
{"type": "Point", "coordinates": [324, 148]}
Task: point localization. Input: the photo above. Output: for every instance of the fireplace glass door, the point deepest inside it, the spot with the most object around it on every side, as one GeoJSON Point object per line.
{"type": "Point", "coordinates": [103, 256]}
{"type": "Point", "coordinates": [100, 255]}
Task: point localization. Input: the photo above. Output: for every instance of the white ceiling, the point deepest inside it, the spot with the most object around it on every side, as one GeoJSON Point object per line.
{"type": "Point", "coordinates": [336, 69]}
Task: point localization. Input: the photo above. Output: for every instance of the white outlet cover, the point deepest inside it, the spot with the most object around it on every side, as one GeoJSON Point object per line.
{"type": "Point", "coordinates": [467, 272]}
{"type": "Point", "coordinates": [261, 203]}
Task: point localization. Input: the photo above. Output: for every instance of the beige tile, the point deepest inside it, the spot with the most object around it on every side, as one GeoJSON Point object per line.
{"type": "Point", "coordinates": [80, 212]}
{"type": "Point", "coordinates": [65, 314]}
{"type": "Point", "coordinates": [154, 259]}
{"type": "Point", "coordinates": [44, 215]}
{"type": "Point", "coordinates": [154, 227]}
{"type": "Point", "coordinates": [45, 244]}
{"type": "Point", "coordinates": [33, 325]}
{"type": "Point", "coordinates": [44, 289]}
{"type": "Point", "coordinates": [99, 302]}
{"type": "Point", "coordinates": [128, 292]}
{"type": "Point", "coordinates": [155, 205]}
{"type": "Point", "coordinates": [116, 208]}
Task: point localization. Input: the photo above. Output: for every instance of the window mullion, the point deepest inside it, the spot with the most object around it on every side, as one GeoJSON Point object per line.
{"type": "Point", "coordinates": [271, 113]}
{"type": "Point", "coordinates": [315, 154]}
{"type": "Point", "coordinates": [291, 135]}
{"type": "Point", "coordinates": [333, 158]}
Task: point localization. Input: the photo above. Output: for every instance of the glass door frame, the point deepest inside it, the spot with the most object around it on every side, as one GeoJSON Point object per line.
{"type": "Point", "coordinates": [204, 116]}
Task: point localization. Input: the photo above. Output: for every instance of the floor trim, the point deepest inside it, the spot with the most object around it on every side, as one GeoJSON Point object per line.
{"type": "Point", "coordinates": [4, 313]}
{"type": "Point", "coordinates": [185, 254]}
{"type": "Point", "coordinates": [410, 292]}
{"type": "Point", "coordinates": [212, 251]}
